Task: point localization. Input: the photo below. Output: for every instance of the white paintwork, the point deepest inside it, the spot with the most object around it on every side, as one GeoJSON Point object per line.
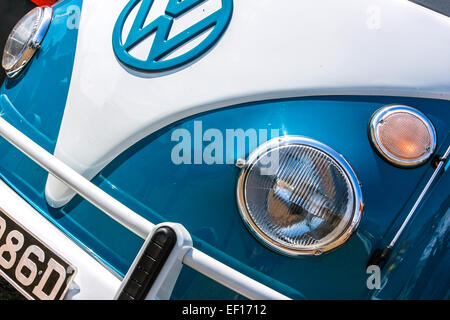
{"type": "Point", "coordinates": [92, 281]}
{"type": "Point", "coordinates": [272, 49]}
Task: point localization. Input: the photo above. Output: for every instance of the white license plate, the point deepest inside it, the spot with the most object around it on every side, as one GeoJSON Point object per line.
{"type": "Point", "coordinates": [30, 265]}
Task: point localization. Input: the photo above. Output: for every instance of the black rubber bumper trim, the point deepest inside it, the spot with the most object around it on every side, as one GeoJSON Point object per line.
{"type": "Point", "coordinates": [149, 265]}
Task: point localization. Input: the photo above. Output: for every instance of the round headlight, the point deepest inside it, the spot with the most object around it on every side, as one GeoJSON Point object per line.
{"type": "Point", "coordinates": [25, 39]}
{"type": "Point", "coordinates": [299, 196]}
{"type": "Point", "coordinates": [402, 135]}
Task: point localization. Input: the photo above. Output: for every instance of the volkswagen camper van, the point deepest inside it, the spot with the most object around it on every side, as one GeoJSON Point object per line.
{"type": "Point", "coordinates": [226, 149]}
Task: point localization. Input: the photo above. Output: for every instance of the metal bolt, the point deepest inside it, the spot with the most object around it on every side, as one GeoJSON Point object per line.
{"type": "Point", "coordinates": [240, 163]}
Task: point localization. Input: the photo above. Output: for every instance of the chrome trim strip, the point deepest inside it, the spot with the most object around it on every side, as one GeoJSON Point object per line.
{"type": "Point", "coordinates": [34, 44]}
{"type": "Point", "coordinates": [378, 118]}
{"type": "Point", "coordinates": [94, 280]}
{"type": "Point", "coordinates": [194, 258]}
{"type": "Point", "coordinates": [290, 140]}
{"type": "Point", "coordinates": [421, 196]}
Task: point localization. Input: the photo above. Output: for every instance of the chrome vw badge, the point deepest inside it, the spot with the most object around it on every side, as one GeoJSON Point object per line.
{"type": "Point", "coordinates": [164, 52]}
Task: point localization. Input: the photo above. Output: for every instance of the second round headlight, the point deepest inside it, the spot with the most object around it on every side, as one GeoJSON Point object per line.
{"type": "Point", "coordinates": [25, 39]}
{"type": "Point", "coordinates": [299, 196]}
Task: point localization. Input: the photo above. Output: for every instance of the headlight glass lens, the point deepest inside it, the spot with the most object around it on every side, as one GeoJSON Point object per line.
{"type": "Point", "coordinates": [309, 204]}
{"type": "Point", "coordinates": [24, 39]}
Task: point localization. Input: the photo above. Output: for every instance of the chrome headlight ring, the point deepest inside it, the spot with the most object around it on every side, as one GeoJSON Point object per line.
{"type": "Point", "coordinates": [308, 195]}
{"type": "Point", "coordinates": [402, 135]}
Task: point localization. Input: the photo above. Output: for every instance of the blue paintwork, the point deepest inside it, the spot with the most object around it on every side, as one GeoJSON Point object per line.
{"type": "Point", "coordinates": [202, 197]}
{"type": "Point", "coordinates": [162, 46]}
{"type": "Point", "coordinates": [419, 265]}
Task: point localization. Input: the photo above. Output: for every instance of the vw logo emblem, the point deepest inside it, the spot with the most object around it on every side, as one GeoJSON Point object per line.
{"type": "Point", "coordinates": [164, 46]}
